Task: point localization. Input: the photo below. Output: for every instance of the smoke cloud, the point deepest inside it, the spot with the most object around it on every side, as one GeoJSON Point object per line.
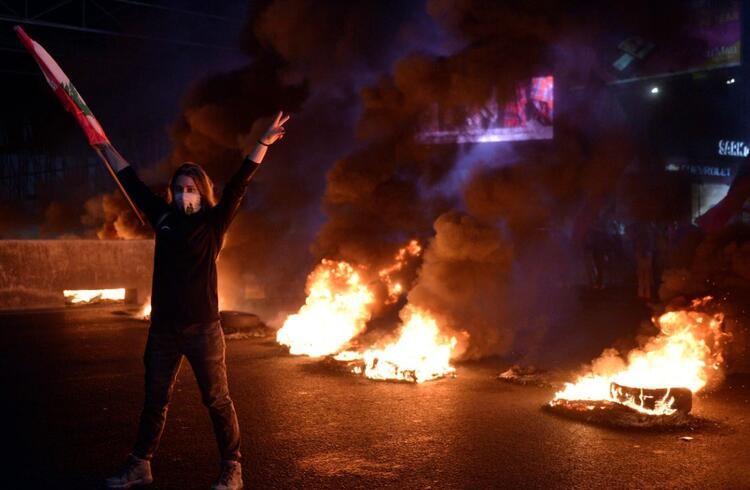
{"type": "Point", "coordinates": [310, 59]}
{"type": "Point", "coordinates": [114, 217]}
{"type": "Point", "coordinates": [507, 231]}
{"type": "Point", "coordinates": [353, 181]}
{"type": "Point", "coordinates": [466, 269]}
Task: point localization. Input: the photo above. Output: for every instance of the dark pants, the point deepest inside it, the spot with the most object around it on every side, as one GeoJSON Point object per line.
{"type": "Point", "coordinates": [203, 345]}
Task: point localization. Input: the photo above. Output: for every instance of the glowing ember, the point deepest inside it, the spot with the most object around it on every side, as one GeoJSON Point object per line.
{"type": "Point", "coordinates": [145, 312]}
{"type": "Point", "coordinates": [412, 249]}
{"type": "Point", "coordinates": [421, 352]}
{"type": "Point", "coordinates": [77, 296]}
{"type": "Point", "coordinates": [336, 310]}
{"type": "Point", "coordinates": [687, 353]}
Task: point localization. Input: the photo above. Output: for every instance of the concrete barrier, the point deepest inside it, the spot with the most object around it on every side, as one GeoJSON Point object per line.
{"type": "Point", "coordinates": [34, 273]}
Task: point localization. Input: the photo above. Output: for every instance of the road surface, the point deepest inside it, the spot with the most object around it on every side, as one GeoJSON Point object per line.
{"type": "Point", "coordinates": [73, 381]}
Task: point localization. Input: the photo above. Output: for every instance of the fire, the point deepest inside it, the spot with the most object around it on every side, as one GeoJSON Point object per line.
{"type": "Point", "coordinates": [339, 304]}
{"type": "Point", "coordinates": [687, 353]}
{"type": "Point", "coordinates": [77, 296]}
{"type": "Point", "coordinates": [336, 310]}
{"type": "Point", "coordinates": [395, 288]}
{"type": "Point", "coordinates": [145, 312]}
{"type": "Point", "coordinates": [421, 352]}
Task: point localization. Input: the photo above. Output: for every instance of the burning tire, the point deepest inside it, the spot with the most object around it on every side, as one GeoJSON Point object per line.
{"type": "Point", "coordinates": [237, 322]}
{"type": "Point", "coordinates": [612, 414]}
{"type": "Point", "coordinates": [679, 399]}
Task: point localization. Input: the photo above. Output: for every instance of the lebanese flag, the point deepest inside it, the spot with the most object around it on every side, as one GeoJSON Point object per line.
{"type": "Point", "coordinates": [65, 91]}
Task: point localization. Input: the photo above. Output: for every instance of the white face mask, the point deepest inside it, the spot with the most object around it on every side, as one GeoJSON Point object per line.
{"type": "Point", "coordinates": [188, 202]}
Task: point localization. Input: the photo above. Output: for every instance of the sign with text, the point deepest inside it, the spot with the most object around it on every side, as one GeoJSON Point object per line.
{"type": "Point", "coordinates": [730, 148]}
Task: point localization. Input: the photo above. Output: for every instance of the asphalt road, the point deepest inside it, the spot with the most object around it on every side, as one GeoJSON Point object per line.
{"type": "Point", "coordinates": [72, 393]}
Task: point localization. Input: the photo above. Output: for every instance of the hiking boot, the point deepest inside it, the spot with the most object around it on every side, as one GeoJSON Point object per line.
{"type": "Point", "coordinates": [231, 477]}
{"type": "Point", "coordinates": [135, 471]}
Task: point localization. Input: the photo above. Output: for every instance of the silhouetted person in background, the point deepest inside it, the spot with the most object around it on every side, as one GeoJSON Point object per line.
{"type": "Point", "coordinates": [644, 258]}
{"type": "Point", "coordinates": [596, 247]}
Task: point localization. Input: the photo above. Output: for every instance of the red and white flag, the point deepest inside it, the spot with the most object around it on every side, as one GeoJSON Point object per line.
{"type": "Point", "coordinates": [65, 91]}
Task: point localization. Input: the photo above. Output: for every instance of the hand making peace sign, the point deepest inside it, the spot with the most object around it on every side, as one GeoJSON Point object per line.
{"type": "Point", "coordinates": [276, 130]}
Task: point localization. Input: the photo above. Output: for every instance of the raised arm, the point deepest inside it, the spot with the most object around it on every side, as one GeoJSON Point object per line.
{"type": "Point", "coordinates": [257, 149]}
{"type": "Point", "coordinates": [152, 206]}
{"type": "Point", "coordinates": [255, 152]}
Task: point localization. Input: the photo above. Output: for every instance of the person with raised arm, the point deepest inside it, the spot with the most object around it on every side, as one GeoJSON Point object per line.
{"type": "Point", "coordinates": [190, 226]}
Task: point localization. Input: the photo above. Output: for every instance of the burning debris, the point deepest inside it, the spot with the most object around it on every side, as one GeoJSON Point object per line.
{"type": "Point", "coordinates": [613, 414]}
{"type": "Point", "coordinates": [336, 310]}
{"type": "Point", "coordinates": [339, 304]}
{"type": "Point", "coordinates": [658, 400]}
{"type": "Point", "coordinates": [526, 376]}
{"type": "Point", "coordinates": [92, 296]}
{"type": "Point", "coordinates": [145, 311]}
{"type": "Point", "coordinates": [656, 380]}
{"type": "Point", "coordinates": [395, 287]}
{"type": "Point", "coordinates": [420, 353]}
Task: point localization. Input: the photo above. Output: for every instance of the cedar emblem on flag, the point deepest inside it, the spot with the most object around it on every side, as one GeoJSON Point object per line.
{"type": "Point", "coordinates": [73, 103]}
{"type": "Point", "coordinates": [65, 91]}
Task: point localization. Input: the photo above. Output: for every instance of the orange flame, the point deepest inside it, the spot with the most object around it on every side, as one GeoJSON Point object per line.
{"type": "Point", "coordinates": [336, 310]}
{"type": "Point", "coordinates": [412, 249]}
{"type": "Point", "coordinates": [338, 306]}
{"type": "Point", "coordinates": [421, 352]}
{"type": "Point", "coordinates": [77, 296]}
{"type": "Point", "coordinates": [687, 353]}
{"type": "Point", "coordinates": [145, 312]}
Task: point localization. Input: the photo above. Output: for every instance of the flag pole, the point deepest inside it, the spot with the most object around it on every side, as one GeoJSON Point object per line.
{"type": "Point", "coordinates": [119, 184]}
{"type": "Point", "coordinates": [72, 102]}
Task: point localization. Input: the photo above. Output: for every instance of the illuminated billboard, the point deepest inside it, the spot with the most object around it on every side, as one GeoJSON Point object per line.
{"type": "Point", "coordinates": [528, 116]}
